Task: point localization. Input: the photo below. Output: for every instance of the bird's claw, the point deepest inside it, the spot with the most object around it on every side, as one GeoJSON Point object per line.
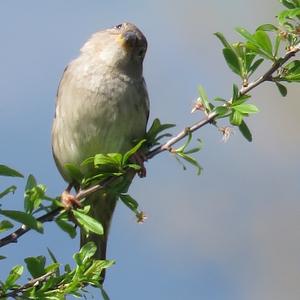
{"type": "Point", "coordinates": [69, 201]}
{"type": "Point", "coordinates": [139, 158]}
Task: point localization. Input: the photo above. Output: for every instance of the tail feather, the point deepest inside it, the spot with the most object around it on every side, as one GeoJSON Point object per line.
{"type": "Point", "coordinates": [102, 209]}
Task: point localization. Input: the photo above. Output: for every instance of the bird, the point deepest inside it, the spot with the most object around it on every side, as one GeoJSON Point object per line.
{"type": "Point", "coordinates": [102, 106]}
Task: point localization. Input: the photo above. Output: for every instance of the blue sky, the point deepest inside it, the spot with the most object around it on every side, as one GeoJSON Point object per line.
{"type": "Point", "coordinates": [231, 233]}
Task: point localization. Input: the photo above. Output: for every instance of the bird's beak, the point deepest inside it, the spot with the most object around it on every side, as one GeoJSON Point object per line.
{"type": "Point", "coordinates": [128, 40]}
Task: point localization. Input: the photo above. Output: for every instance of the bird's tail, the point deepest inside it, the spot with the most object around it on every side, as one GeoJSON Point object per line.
{"type": "Point", "coordinates": [102, 208]}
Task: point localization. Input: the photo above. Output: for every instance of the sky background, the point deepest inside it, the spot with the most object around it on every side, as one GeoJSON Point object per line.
{"type": "Point", "coordinates": [231, 233]}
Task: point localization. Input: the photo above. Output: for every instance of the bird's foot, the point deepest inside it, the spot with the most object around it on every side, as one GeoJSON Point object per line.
{"type": "Point", "coordinates": [139, 158]}
{"type": "Point", "coordinates": [68, 200]}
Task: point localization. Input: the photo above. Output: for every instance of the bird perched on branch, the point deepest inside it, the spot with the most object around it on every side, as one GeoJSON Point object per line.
{"type": "Point", "coordinates": [102, 106]}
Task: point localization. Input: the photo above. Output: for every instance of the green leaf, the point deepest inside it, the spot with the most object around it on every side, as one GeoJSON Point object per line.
{"type": "Point", "coordinates": [66, 227]}
{"type": "Point", "coordinates": [129, 202]}
{"type": "Point", "coordinates": [156, 128]}
{"type": "Point", "coordinates": [23, 218]}
{"type": "Point", "coordinates": [190, 160]}
{"type": "Point", "coordinates": [249, 58]}
{"type": "Point", "coordinates": [133, 150]}
{"type": "Point", "coordinates": [264, 42]}
{"type": "Point", "coordinates": [5, 225]}
{"type": "Point", "coordinates": [287, 4]}
{"type": "Point", "coordinates": [220, 99]}
{"type": "Point", "coordinates": [34, 194]}
{"type": "Point", "coordinates": [52, 268]}
{"type": "Point", "coordinates": [222, 39]}
{"type": "Point", "coordinates": [221, 110]}
{"type": "Point", "coordinates": [292, 70]}
{"type": "Point", "coordinates": [255, 65]}
{"type": "Point", "coordinates": [203, 98]}
{"type": "Point", "coordinates": [246, 34]}
{"type": "Point", "coordinates": [232, 61]}
{"type": "Point", "coordinates": [245, 131]}
{"type": "Point", "coordinates": [189, 139]}
{"type": "Point", "coordinates": [7, 171]}
{"type": "Point", "coordinates": [278, 41]}
{"type": "Point", "coordinates": [235, 92]}
{"type": "Point", "coordinates": [267, 27]}
{"type": "Point", "coordinates": [288, 14]}
{"type": "Point", "coordinates": [36, 265]}
{"type": "Point", "coordinates": [195, 149]}
{"type": "Point", "coordinates": [15, 273]}
{"type": "Point", "coordinates": [282, 89]}
{"type": "Point", "coordinates": [31, 182]}
{"type": "Point", "coordinates": [246, 108]}
{"type": "Point", "coordinates": [236, 118]}
{"type": "Point", "coordinates": [10, 189]}
{"type": "Point", "coordinates": [85, 253]}
{"type": "Point", "coordinates": [74, 172]}
{"type": "Point", "coordinates": [2, 257]}
{"type": "Point", "coordinates": [112, 159]}
{"type": "Point", "coordinates": [88, 223]}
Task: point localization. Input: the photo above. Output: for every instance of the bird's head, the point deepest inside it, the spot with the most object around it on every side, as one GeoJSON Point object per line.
{"type": "Point", "coordinates": [123, 46]}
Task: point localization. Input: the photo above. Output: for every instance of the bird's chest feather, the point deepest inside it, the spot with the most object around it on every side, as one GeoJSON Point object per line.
{"type": "Point", "coordinates": [102, 115]}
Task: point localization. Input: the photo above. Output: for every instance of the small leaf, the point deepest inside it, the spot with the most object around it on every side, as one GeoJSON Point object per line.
{"type": "Point", "coordinates": [246, 108]}
{"type": "Point", "coordinates": [85, 253]}
{"type": "Point", "coordinates": [66, 227]}
{"type": "Point", "coordinates": [10, 189]}
{"type": "Point", "coordinates": [5, 225]}
{"type": "Point", "coordinates": [236, 118]}
{"type": "Point", "coordinates": [255, 65]}
{"type": "Point", "coordinates": [129, 202]}
{"type": "Point", "coordinates": [74, 172]}
{"type": "Point", "coordinates": [191, 160]}
{"type": "Point", "coordinates": [52, 255]}
{"type": "Point", "coordinates": [222, 39]}
{"type": "Point", "coordinates": [189, 139]}
{"type": "Point", "coordinates": [288, 14]}
{"type": "Point", "coordinates": [31, 182]}
{"type": "Point", "coordinates": [235, 92]}
{"type": "Point", "coordinates": [245, 131]}
{"type": "Point", "coordinates": [264, 41]}
{"type": "Point", "coordinates": [36, 265]}
{"type": "Point", "coordinates": [282, 89]}
{"type": "Point", "coordinates": [221, 110]}
{"type": "Point", "coordinates": [108, 160]}
{"type": "Point", "coordinates": [133, 150]}
{"type": "Point", "coordinates": [203, 98]}
{"type": "Point", "coordinates": [287, 4]}
{"type": "Point", "coordinates": [246, 34]}
{"type": "Point", "coordinates": [34, 194]}
{"type": "Point", "coordinates": [2, 257]}
{"type": "Point", "coordinates": [267, 27]}
{"type": "Point", "coordinates": [7, 171]}
{"type": "Point", "coordinates": [23, 218]}
{"type": "Point", "coordinates": [88, 223]}
{"type": "Point", "coordinates": [52, 268]}
{"type": "Point", "coordinates": [13, 276]}
{"type": "Point", "coordinates": [232, 60]}
{"type": "Point", "coordinates": [195, 149]}
{"type": "Point", "coordinates": [220, 99]}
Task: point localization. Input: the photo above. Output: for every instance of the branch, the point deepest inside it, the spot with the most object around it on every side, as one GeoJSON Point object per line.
{"type": "Point", "coordinates": [208, 119]}
{"type": "Point", "coordinates": [31, 283]}
{"type": "Point", "coordinates": [13, 237]}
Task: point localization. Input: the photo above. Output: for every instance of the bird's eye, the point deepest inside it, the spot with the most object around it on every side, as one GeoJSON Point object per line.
{"type": "Point", "coordinates": [119, 26]}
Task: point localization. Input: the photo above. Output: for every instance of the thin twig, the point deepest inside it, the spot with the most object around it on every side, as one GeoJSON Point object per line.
{"type": "Point", "coordinates": [208, 119]}
{"type": "Point", "coordinates": [31, 283]}
{"type": "Point", "coordinates": [13, 237]}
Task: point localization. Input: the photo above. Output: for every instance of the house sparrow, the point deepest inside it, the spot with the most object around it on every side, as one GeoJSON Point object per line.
{"type": "Point", "coordinates": [102, 106]}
